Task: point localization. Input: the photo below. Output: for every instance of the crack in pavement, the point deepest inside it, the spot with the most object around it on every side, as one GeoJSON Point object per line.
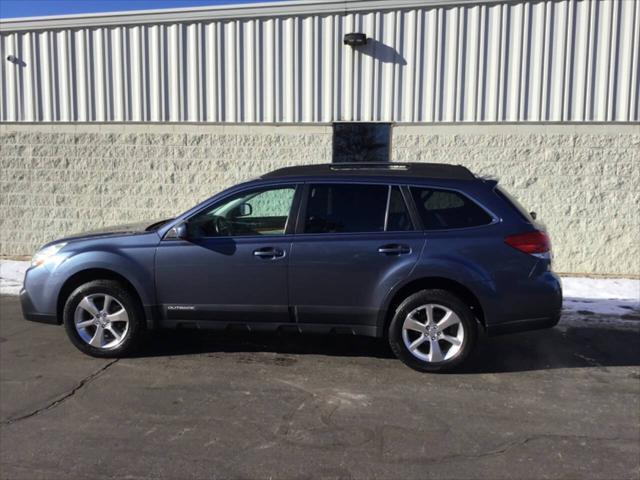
{"type": "Point", "coordinates": [61, 399]}
{"type": "Point", "coordinates": [513, 444]}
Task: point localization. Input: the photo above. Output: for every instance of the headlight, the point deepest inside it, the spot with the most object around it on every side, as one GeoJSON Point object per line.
{"type": "Point", "coordinates": [43, 255]}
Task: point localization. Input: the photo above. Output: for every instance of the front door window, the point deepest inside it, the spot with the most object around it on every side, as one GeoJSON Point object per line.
{"type": "Point", "coordinates": [257, 212]}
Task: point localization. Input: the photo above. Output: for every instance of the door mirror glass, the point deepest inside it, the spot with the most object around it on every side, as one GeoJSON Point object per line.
{"type": "Point", "coordinates": [179, 232]}
{"type": "Point", "coordinates": [242, 210]}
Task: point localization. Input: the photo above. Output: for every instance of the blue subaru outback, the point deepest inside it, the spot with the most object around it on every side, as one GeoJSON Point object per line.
{"type": "Point", "coordinates": [423, 254]}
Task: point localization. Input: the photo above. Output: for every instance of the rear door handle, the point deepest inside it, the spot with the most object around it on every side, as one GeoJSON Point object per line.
{"type": "Point", "coordinates": [268, 252]}
{"type": "Point", "coordinates": [394, 249]}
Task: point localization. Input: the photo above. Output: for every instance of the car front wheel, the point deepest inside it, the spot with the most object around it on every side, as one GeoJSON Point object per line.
{"type": "Point", "coordinates": [432, 331]}
{"type": "Point", "coordinates": [103, 319]}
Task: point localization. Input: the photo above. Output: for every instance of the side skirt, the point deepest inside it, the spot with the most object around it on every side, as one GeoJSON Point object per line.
{"type": "Point", "coordinates": [366, 330]}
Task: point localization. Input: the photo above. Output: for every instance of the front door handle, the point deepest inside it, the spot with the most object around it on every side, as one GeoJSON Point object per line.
{"type": "Point", "coordinates": [394, 249]}
{"type": "Point", "coordinates": [268, 252]}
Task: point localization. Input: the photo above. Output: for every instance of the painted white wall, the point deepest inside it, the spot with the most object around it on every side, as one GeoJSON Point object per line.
{"type": "Point", "coordinates": [59, 179]}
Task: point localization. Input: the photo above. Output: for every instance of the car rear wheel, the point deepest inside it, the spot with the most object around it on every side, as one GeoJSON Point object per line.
{"type": "Point", "coordinates": [432, 331]}
{"type": "Point", "coordinates": [103, 319]}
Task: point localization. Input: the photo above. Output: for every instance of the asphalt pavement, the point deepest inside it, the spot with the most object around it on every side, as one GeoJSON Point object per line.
{"type": "Point", "coordinates": [559, 403]}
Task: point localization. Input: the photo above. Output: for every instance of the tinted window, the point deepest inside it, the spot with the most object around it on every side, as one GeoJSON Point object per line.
{"type": "Point", "coordinates": [361, 142]}
{"type": "Point", "coordinates": [346, 208]}
{"type": "Point", "coordinates": [258, 212]}
{"type": "Point", "coordinates": [440, 209]}
{"type": "Point", "coordinates": [398, 219]}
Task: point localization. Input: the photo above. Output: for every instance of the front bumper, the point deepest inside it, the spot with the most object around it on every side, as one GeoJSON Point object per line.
{"type": "Point", "coordinates": [29, 312]}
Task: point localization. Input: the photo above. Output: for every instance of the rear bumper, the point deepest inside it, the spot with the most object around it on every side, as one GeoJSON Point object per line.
{"type": "Point", "coordinates": [533, 304]}
{"type": "Point", "coordinates": [523, 325]}
{"type": "Point", "coordinates": [29, 311]}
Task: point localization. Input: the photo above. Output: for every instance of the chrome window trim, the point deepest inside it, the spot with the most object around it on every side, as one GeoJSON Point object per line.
{"type": "Point", "coordinates": [386, 209]}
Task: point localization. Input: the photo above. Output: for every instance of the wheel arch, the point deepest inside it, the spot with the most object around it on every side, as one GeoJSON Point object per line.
{"type": "Point", "coordinates": [88, 275]}
{"type": "Point", "coordinates": [462, 291]}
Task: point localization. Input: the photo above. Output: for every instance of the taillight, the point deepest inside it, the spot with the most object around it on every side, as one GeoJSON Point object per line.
{"type": "Point", "coordinates": [533, 243]}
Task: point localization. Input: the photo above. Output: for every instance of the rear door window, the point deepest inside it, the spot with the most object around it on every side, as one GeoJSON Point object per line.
{"type": "Point", "coordinates": [398, 218]}
{"type": "Point", "coordinates": [349, 208]}
{"type": "Point", "coordinates": [446, 209]}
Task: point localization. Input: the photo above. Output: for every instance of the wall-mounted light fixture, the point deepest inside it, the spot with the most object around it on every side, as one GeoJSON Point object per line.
{"type": "Point", "coordinates": [16, 61]}
{"type": "Point", "coordinates": [355, 39]}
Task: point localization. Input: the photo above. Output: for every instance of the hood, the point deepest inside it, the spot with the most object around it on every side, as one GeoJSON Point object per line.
{"type": "Point", "coordinates": [118, 230]}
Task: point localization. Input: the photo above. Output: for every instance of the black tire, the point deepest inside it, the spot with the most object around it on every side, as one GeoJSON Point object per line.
{"type": "Point", "coordinates": [128, 301]}
{"type": "Point", "coordinates": [437, 297]}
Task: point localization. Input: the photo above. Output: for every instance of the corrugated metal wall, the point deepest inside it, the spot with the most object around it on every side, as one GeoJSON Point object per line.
{"type": "Point", "coordinates": [544, 61]}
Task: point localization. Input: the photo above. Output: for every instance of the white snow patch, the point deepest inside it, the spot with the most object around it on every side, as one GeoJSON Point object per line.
{"type": "Point", "coordinates": [603, 296]}
{"type": "Point", "coordinates": [11, 276]}
{"type": "Point", "coordinates": [601, 288]}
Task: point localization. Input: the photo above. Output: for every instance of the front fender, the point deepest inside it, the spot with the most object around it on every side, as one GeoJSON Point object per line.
{"type": "Point", "coordinates": [132, 260]}
{"type": "Point", "coordinates": [138, 271]}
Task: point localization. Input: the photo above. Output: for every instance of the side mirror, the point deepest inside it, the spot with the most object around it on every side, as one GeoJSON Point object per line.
{"type": "Point", "coordinates": [242, 210]}
{"type": "Point", "coordinates": [179, 232]}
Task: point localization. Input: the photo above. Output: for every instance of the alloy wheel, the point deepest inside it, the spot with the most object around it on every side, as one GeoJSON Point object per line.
{"type": "Point", "coordinates": [433, 333]}
{"type": "Point", "coordinates": [101, 321]}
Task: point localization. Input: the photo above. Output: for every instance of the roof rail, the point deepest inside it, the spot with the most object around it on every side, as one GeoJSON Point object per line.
{"type": "Point", "coordinates": [400, 169]}
{"type": "Point", "coordinates": [368, 166]}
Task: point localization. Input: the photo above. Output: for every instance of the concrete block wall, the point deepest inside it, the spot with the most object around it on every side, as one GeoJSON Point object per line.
{"type": "Point", "coordinates": [583, 181]}
{"type": "Point", "coordinates": [58, 179]}
{"type": "Point", "coordinates": [61, 179]}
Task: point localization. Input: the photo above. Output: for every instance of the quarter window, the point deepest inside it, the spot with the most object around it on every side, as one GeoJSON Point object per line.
{"type": "Point", "coordinates": [445, 209]}
{"type": "Point", "coordinates": [258, 212]}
